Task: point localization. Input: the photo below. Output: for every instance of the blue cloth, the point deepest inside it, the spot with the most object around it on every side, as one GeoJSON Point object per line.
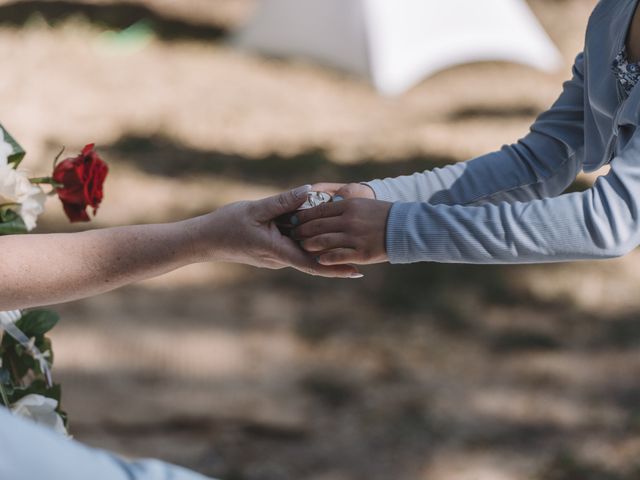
{"type": "Point", "coordinates": [508, 206]}
{"type": "Point", "coordinates": [30, 452]}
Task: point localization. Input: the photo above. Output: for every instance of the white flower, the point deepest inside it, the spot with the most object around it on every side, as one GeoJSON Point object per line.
{"type": "Point", "coordinates": [41, 410]}
{"type": "Point", "coordinates": [15, 187]}
{"type": "Point", "coordinates": [5, 149]}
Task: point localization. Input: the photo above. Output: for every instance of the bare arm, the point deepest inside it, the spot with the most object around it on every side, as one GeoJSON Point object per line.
{"type": "Point", "coordinates": [47, 269]}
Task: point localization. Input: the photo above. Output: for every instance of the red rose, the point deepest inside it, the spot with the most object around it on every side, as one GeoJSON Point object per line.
{"type": "Point", "coordinates": [82, 178]}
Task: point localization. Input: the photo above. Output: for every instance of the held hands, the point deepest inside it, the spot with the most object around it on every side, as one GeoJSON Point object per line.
{"type": "Point", "coordinates": [345, 190]}
{"type": "Point", "coordinates": [245, 232]}
{"type": "Point", "coordinates": [345, 231]}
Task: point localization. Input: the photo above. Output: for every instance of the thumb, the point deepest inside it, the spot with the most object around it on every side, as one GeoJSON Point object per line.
{"type": "Point", "coordinates": [272, 207]}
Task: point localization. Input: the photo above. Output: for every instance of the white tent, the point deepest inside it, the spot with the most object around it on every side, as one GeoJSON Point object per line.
{"type": "Point", "coordinates": [397, 43]}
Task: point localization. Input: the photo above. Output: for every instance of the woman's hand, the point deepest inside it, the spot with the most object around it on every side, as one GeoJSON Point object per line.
{"type": "Point", "coordinates": [348, 231]}
{"type": "Point", "coordinates": [245, 232]}
{"type": "Point", "coordinates": [345, 191]}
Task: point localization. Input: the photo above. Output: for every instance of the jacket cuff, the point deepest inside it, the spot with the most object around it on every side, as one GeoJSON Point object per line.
{"type": "Point", "coordinates": [381, 190]}
{"type": "Point", "coordinates": [398, 244]}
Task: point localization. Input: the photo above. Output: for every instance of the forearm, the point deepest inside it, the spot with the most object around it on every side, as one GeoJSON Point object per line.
{"type": "Point", "coordinates": [596, 224]}
{"type": "Point", "coordinates": [47, 269]}
{"type": "Point", "coordinates": [535, 167]}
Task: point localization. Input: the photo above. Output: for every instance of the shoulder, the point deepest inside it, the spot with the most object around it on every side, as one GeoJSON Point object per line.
{"type": "Point", "coordinates": [605, 32]}
{"type": "Point", "coordinates": [611, 14]}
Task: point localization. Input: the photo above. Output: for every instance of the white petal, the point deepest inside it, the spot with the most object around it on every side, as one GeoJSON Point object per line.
{"type": "Point", "coordinates": [41, 410]}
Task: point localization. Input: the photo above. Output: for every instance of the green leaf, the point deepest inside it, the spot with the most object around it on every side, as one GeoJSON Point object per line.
{"type": "Point", "coordinates": [55, 392]}
{"type": "Point", "coordinates": [8, 212]}
{"type": "Point", "coordinates": [37, 322]}
{"type": "Point", "coordinates": [38, 387]}
{"type": "Point", "coordinates": [20, 365]}
{"type": "Point", "coordinates": [8, 344]}
{"type": "Point", "coordinates": [18, 152]}
{"type": "Point", "coordinates": [10, 222]}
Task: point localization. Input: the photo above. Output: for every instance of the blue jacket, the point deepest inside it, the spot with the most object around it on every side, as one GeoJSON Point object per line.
{"type": "Point", "coordinates": [508, 206]}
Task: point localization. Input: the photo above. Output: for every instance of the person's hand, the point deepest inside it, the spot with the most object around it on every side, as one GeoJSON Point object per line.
{"type": "Point", "coordinates": [338, 192]}
{"type": "Point", "coordinates": [245, 232]}
{"type": "Point", "coordinates": [345, 191]}
{"type": "Point", "coordinates": [347, 231]}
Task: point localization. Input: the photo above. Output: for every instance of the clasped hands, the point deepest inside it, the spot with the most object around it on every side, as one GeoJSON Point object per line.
{"type": "Point", "coordinates": [349, 230]}
{"type": "Point", "coordinates": [328, 240]}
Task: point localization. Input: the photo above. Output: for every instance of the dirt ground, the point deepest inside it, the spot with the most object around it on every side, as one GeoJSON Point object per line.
{"type": "Point", "coordinates": [423, 372]}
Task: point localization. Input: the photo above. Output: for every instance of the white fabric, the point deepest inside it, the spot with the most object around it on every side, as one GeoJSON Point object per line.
{"type": "Point", "coordinates": [398, 43]}
{"type": "Point", "coordinates": [30, 452]}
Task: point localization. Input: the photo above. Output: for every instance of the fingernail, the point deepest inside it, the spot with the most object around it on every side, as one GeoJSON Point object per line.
{"type": "Point", "coordinates": [317, 259]}
{"type": "Point", "coordinates": [295, 220]}
{"type": "Point", "coordinates": [338, 198]}
{"type": "Point", "coordinates": [356, 276]}
{"type": "Point", "coordinates": [301, 192]}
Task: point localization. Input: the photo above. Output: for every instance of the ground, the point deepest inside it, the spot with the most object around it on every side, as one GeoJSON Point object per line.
{"type": "Point", "coordinates": [434, 372]}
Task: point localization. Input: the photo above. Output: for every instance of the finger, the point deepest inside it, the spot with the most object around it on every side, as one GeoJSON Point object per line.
{"type": "Point", "coordinates": [325, 210]}
{"type": "Point", "coordinates": [338, 256]}
{"type": "Point", "coordinates": [355, 190]}
{"type": "Point", "coordinates": [273, 207]}
{"type": "Point", "coordinates": [328, 241]}
{"type": "Point", "coordinates": [330, 188]}
{"type": "Point", "coordinates": [302, 261]}
{"type": "Point", "coordinates": [319, 227]}
{"type": "Point", "coordinates": [329, 271]}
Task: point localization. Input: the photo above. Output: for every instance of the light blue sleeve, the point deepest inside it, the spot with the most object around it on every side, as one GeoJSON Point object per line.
{"type": "Point", "coordinates": [542, 164]}
{"type": "Point", "coordinates": [29, 452]}
{"type": "Point", "coordinates": [602, 222]}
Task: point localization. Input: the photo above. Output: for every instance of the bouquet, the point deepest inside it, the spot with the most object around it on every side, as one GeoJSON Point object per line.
{"type": "Point", "coordinates": [26, 355]}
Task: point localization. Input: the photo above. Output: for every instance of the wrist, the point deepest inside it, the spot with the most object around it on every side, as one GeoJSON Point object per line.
{"type": "Point", "coordinates": [368, 191]}
{"type": "Point", "coordinates": [201, 242]}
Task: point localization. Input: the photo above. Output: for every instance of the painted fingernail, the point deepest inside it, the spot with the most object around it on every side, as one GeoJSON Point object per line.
{"type": "Point", "coordinates": [295, 220]}
{"type": "Point", "coordinates": [356, 276]}
{"type": "Point", "coordinates": [317, 259]}
{"type": "Point", "coordinates": [338, 198]}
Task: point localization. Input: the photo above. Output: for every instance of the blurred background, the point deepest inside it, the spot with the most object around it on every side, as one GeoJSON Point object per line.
{"type": "Point", "coordinates": [434, 372]}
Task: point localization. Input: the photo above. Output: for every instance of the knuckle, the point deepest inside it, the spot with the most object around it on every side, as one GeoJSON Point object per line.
{"type": "Point", "coordinates": [323, 242]}
{"type": "Point", "coordinates": [310, 244]}
{"type": "Point", "coordinates": [252, 208]}
{"type": "Point", "coordinates": [351, 189]}
{"type": "Point", "coordinates": [284, 200]}
{"type": "Point", "coordinates": [302, 216]}
{"type": "Point", "coordinates": [349, 213]}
